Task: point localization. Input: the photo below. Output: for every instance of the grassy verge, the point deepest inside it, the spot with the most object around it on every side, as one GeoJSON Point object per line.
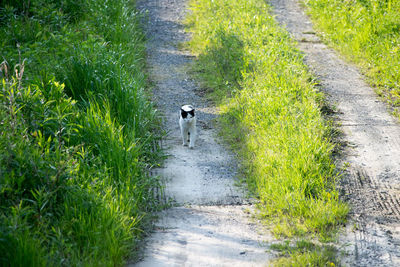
{"type": "Point", "coordinates": [271, 114]}
{"type": "Point", "coordinates": [77, 133]}
{"type": "Point", "coordinates": [367, 33]}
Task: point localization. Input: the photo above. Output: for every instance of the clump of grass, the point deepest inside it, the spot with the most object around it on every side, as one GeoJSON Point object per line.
{"type": "Point", "coordinates": [367, 33]}
{"type": "Point", "coordinates": [271, 112]}
{"type": "Point", "coordinates": [77, 134]}
{"type": "Point", "coordinates": [305, 253]}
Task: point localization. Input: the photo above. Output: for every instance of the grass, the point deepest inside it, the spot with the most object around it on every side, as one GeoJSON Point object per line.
{"type": "Point", "coordinates": [271, 114]}
{"type": "Point", "coordinates": [305, 253]}
{"type": "Point", "coordinates": [367, 33]}
{"type": "Point", "coordinates": [77, 134]}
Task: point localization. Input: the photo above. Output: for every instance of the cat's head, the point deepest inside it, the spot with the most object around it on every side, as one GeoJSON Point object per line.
{"type": "Point", "coordinates": [187, 112]}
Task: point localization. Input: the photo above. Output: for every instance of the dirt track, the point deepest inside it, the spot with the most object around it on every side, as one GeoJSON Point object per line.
{"type": "Point", "coordinates": [210, 225]}
{"type": "Point", "coordinates": [372, 181]}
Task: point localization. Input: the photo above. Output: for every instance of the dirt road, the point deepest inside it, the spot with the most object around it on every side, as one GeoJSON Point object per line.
{"type": "Point", "coordinates": [372, 181]}
{"type": "Point", "coordinates": [210, 225]}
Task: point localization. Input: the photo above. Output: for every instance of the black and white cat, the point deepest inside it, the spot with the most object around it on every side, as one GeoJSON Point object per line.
{"type": "Point", "coordinates": [187, 122]}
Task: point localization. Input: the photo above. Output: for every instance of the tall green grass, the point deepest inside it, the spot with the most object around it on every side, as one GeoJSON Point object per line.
{"type": "Point", "coordinates": [367, 33]}
{"type": "Point", "coordinates": [77, 133]}
{"type": "Point", "coordinates": [271, 114]}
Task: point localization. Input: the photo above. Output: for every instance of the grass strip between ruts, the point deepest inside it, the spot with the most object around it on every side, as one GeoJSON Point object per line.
{"type": "Point", "coordinates": [271, 114]}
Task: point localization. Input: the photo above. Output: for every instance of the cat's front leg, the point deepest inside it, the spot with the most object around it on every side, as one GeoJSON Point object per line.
{"type": "Point", "coordinates": [192, 137]}
{"type": "Point", "coordinates": [185, 137]}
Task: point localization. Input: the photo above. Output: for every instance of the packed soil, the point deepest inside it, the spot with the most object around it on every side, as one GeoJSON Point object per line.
{"type": "Point", "coordinates": [371, 182]}
{"type": "Point", "coordinates": [210, 223]}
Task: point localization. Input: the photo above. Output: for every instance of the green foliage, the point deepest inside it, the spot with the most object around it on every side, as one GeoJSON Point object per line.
{"type": "Point", "coordinates": [19, 247]}
{"type": "Point", "coordinates": [73, 10]}
{"type": "Point", "coordinates": [251, 67]}
{"type": "Point", "coordinates": [367, 32]}
{"type": "Point", "coordinates": [77, 133]}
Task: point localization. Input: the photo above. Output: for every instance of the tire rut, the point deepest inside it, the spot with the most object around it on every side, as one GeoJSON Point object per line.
{"type": "Point", "coordinates": [210, 223]}
{"type": "Point", "coordinates": [371, 182]}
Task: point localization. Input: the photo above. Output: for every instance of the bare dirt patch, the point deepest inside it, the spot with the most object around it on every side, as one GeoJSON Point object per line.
{"type": "Point", "coordinates": [371, 183]}
{"type": "Point", "coordinates": [211, 223]}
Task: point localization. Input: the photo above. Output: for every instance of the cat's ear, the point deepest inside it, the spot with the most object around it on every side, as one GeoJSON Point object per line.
{"type": "Point", "coordinates": [183, 113]}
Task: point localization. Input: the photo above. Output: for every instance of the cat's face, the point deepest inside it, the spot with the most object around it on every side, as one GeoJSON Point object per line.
{"type": "Point", "coordinates": [187, 112]}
